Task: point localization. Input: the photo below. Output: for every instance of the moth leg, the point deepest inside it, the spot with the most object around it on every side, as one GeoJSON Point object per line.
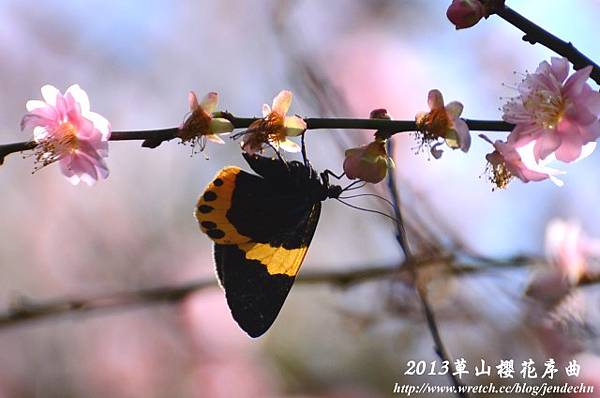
{"type": "Point", "coordinates": [328, 173]}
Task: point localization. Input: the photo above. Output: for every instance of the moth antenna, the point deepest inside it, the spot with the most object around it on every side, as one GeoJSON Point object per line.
{"type": "Point", "coordinates": [369, 194]}
{"type": "Point", "coordinates": [358, 187]}
{"type": "Point", "coordinates": [367, 210]}
{"type": "Point", "coordinates": [353, 184]}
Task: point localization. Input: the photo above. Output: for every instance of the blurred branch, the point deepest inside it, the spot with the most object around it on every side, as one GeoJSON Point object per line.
{"type": "Point", "coordinates": [153, 138]}
{"type": "Point", "coordinates": [24, 309]}
{"type": "Point", "coordinates": [535, 34]}
{"type": "Point", "coordinates": [402, 239]}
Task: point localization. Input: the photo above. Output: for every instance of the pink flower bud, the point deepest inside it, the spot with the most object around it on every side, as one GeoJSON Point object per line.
{"type": "Point", "coordinates": [368, 163]}
{"type": "Point", "coordinates": [465, 13]}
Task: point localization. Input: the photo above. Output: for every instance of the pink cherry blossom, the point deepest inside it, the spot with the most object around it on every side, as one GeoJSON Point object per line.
{"type": "Point", "coordinates": [568, 249]}
{"type": "Point", "coordinates": [443, 122]}
{"type": "Point", "coordinates": [560, 114]}
{"type": "Point", "coordinates": [68, 132]}
{"type": "Point", "coordinates": [564, 248]}
{"type": "Point", "coordinates": [369, 163]}
{"type": "Point", "coordinates": [507, 162]}
{"type": "Point", "coordinates": [275, 127]}
{"type": "Point", "coordinates": [202, 126]}
{"type": "Point", "coordinates": [465, 13]}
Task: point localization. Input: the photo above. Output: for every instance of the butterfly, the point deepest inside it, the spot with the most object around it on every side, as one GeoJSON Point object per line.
{"type": "Point", "coordinates": [261, 225]}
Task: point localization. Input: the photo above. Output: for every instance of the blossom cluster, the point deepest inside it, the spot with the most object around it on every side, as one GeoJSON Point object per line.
{"type": "Point", "coordinates": [555, 118]}
{"type": "Point", "coordinates": [67, 132]}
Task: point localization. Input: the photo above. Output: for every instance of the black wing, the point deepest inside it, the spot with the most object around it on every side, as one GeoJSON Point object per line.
{"type": "Point", "coordinates": [257, 277]}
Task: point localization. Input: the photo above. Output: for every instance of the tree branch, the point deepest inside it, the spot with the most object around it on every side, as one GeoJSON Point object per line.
{"type": "Point", "coordinates": [535, 34]}
{"type": "Point", "coordinates": [153, 138]}
{"type": "Point", "coordinates": [24, 309]}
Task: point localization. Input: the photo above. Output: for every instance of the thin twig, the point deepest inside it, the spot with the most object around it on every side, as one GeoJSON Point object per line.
{"type": "Point", "coordinates": [535, 34]}
{"type": "Point", "coordinates": [402, 239]}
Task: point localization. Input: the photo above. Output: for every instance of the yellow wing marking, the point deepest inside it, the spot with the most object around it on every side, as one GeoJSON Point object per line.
{"type": "Point", "coordinates": [212, 206]}
{"type": "Point", "coordinates": [278, 260]}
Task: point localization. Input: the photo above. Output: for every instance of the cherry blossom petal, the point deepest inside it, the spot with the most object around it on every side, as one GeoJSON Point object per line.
{"type": "Point", "coordinates": [100, 123]}
{"type": "Point", "coordinates": [102, 169]}
{"type": "Point", "coordinates": [35, 104]}
{"type": "Point", "coordinates": [85, 129]}
{"type": "Point", "coordinates": [294, 126]}
{"type": "Point", "coordinates": [545, 145]}
{"type": "Point", "coordinates": [209, 102]}
{"type": "Point", "coordinates": [80, 97]}
{"type": "Point", "coordinates": [32, 120]}
{"type": "Point", "coordinates": [464, 137]}
{"type": "Point", "coordinates": [266, 110]}
{"type": "Point", "coordinates": [100, 148]}
{"type": "Point", "coordinates": [93, 157]}
{"type": "Point", "coordinates": [435, 100]}
{"type": "Point", "coordinates": [49, 94]}
{"type": "Point", "coordinates": [579, 113]}
{"type": "Point", "coordinates": [532, 175]}
{"type": "Point", "coordinates": [560, 68]}
{"type": "Point", "coordinates": [61, 108]}
{"type": "Point", "coordinates": [370, 162]}
{"type": "Point", "coordinates": [454, 109]}
{"type": "Point", "coordinates": [586, 151]}
{"type": "Point", "coordinates": [527, 155]}
{"type": "Point", "coordinates": [570, 148]}
{"type": "Point", "coordinates": [219, 125]}
{"type": "Point", "coordinates": [575, 83]}
{"type": "Point", "coordinates": [565, 250]}
{"type": "Point", "coordinates": [79, 168]}
{"type": "Point", "coordinates": [523, 134]}
{"type": "Point", "coordinates": [289, 146]}
{"type": "Point", "coordinates": [39, 133]}
{"type": "Point", "coordinates": [214, 138]}
{"type": "Point", "coordinates": [435, 151]}
{"type": "Point", "coordinates": [452, 139]}
{"type": "Point", "coordinates": [193, 101]}
{"type": "Point", "coordinates": [282, 102]}
{"type": "Point", "coordinates": [591, 99]}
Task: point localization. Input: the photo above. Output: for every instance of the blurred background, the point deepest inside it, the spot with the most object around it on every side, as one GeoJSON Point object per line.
{"type": "Point", "coordinates": [342, 58]}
